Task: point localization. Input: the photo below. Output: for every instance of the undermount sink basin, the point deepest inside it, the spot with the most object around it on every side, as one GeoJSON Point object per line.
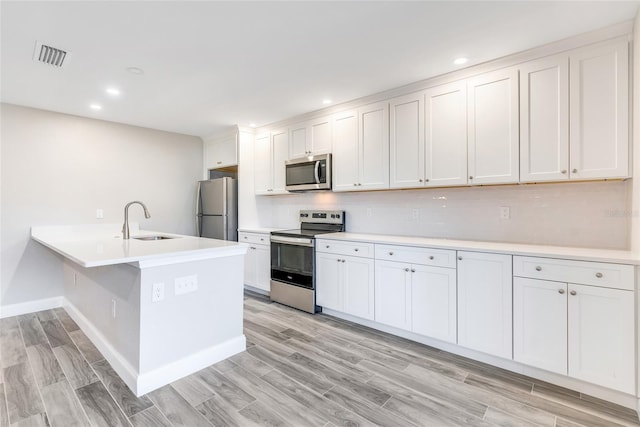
{"type": "Point", "coordinates": [158, 237]}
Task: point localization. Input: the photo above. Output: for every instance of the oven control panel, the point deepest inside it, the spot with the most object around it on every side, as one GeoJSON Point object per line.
{"type": "Point", "coordinates": [325, 217]}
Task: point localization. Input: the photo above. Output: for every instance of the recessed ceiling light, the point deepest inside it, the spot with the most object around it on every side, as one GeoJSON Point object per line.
{"type": "Point", "coordinates": [95, 107]}
{"type": "Point", "coordinates": [135, 70]}
{"type": "Point", "coordinates": [326, 101]}
{"type": "Point", "coordinates": [460, 61]}
{"type": "Point", "coordinates": [252, 125]}
{"type": "Point", "coordinates": [112, 91]}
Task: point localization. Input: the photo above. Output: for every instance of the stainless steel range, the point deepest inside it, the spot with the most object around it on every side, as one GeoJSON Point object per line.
{"type": "Point", "coordinates": [293, 264]}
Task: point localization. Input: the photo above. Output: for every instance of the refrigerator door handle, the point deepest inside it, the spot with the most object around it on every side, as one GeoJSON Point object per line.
{"type": "Point", "coordinates": [198, 215]}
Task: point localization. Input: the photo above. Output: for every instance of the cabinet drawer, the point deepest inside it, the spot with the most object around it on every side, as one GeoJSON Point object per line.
{"type": "Point", "coordinates": [616, 276]}
{"type": "Point", "coordinates": [254, 238]}
{"type": "Point", "coordinates": [345, 248]}
{"type": "Point", "coordinates": [415, 255]}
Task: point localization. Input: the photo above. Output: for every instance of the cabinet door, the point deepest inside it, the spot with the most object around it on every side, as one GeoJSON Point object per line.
{"type": "Point", "coordinates": [544, 120]}
{"type": "Point", "coordinates": [280, 152]}
{"type": "Point", "coordinates": [263, 178]}
{"type": "Point", "coordinates": [601, 336]}
{"type": "Point", "coordinates": [298, 141]}
{"type": "Point", "coordinates": [250, 267]}
{"type": "Point", "coordinates": [393, 294]}
{"type": "Point", "coordinates": [600, 111]}
{"type": "Point", "coordinates": [484, 302]}
{"type": "Point", "coordinates": [373, 146]}
{"type": "Point", "coordinates": [540, 324]}
{"type": "Point", "coordinates": [446, 135]}
{"type": "Point", "coordinates": [357, 286]}
{"type": "Point", "coordinates": [320, 136]}
{"type": "Point", "coordinates": [345, 151]}
{"type": "Point", "coordinates": [433, 302]}
{"type": "Point", "coordinates": [406, 143]}
{"type": "Point", "coordinates": [493, 127]}
{"type": "Point", "coordinates": [262, 255]}
{"type": "Point", "coordinates": [328, 281]}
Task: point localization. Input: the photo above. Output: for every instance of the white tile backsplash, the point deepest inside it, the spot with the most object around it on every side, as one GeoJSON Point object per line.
{"type": "Point", "coordinates": [583, 214]}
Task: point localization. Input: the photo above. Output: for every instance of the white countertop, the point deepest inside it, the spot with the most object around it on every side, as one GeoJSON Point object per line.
{"type": "Point", "coordinates": [261, 230]}
{"type": "Point", "coordinates": [582, 254]}
{"type": "Point", "coordinates": [100, 245]}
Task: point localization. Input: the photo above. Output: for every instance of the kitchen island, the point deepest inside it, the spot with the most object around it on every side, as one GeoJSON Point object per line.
{"type": "Point", "coordinates": [156, 309]}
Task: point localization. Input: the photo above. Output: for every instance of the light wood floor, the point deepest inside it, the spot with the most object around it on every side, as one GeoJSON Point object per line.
{"type": "Point", "coordinates": [298, 370]}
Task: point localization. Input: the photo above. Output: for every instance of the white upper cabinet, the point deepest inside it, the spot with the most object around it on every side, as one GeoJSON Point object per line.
{"type": "Point", "coordinates": [544, 120]}
{"type": "Point", "coordinates": [406, 141]}
{"type": "Point", "coordinates": [310, 138]}
{"type": "Point", "coordinates": [361, 148]}
{"type": "Point", "coordinates": [373, 139]}
{"type": "Point", "coordinates": [493, 127]}
{"type": "Point", "coordinates": [222, 152]}
{"type": "Point", "coordinates": [446, 135]}
{"type": "Point", "coordinates": [345, 151]}
{"type": "Point", "coordinates": [270, 153]}
{"type": "Point", "coordinates": [599, 112]}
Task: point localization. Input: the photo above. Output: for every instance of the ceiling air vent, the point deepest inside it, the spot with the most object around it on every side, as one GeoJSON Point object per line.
{"type": "Point", "coordinates": [49, 55]}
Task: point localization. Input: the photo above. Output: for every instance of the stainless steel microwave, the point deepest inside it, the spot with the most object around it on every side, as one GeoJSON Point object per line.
{"type": "Point", "coordinates": [308, 173]}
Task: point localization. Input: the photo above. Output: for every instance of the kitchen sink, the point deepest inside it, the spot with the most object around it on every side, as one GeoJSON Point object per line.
{"type": "Point", "coordinates": [157, 237]}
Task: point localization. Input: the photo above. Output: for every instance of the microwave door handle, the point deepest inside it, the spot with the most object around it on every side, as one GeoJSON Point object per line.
{"type": "Point", "coordinates": [316, 171]}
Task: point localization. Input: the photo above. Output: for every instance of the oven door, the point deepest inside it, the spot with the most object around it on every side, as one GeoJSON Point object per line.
{"type": "Point", "coordinates": [292, 260]}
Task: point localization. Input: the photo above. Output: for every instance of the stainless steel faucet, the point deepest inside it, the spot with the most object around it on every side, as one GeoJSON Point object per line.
{"type": "Point", "coordinates": [125, 226]}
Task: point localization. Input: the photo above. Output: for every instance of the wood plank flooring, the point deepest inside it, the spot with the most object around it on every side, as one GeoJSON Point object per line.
{"type": "Point", "coordinates": [298, 370]}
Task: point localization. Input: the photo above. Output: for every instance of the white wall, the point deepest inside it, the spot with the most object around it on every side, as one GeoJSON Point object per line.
{"type": "Point", "coordinates": [58, 169]}
{"type": "Point", "coordinates": [635, 128]}
{"type": "Point", "coordinates": [589, 214]}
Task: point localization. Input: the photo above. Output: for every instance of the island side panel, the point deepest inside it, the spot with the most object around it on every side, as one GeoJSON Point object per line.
{"type": "Point", "coordinates": [184, 333]}
{"type": "Point", "coordinates": [105, 302]}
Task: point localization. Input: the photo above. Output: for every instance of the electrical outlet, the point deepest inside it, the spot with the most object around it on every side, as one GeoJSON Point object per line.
{"type": "Point", "coordinates": [505, 212]}
{"type": "Point", "coordinates": [186, 284]}
{"type": "Point", "coordinates": [158, 292]}
{"type": "Point", "coordinates": [415, 213]}
{"type": "Point", "coordinates": [99, 213]}
{"type": "Point", "coordinates": [113, 308]}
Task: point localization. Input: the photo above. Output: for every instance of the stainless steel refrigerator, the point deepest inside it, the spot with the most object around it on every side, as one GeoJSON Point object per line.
{"type": "Point", "coordinates": [217, 209]}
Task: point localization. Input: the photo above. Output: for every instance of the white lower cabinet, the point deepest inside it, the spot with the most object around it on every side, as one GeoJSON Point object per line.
{"type": "Point", "coordinates": [416, 297]}
{"type": "Point", "coordinates": [344, 283]}
{"type": "Point", "coordinates": [584, 331]}
{"type": "Point", "coordinates": [257, 264]}
{"type": "Point", "coordinates": [484, 303]}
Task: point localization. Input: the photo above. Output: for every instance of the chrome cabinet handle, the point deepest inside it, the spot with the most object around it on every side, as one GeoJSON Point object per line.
{"type": "Point", "coordinates": [413, 270]}
{"type": "Point", "coordinates": [406, 269]}
{"type": "Point", "coordinates": [574, 170]}
{"type": "Point", "coordinates": [262, 239]}
{"type": "Point", "coordinates": [355, 185]}
{"type": "Point", "coordinates": [431, 257]}
{"type": "Point", "coordinates": [356, 249]}
{"type": "Point", "coordinates": [470, 177]}
{"type": "Point", "coordinates": [245, 237]}
{"type": "Point", "coordinates": [563, 171]}
{"type": "Point", "coordinates": [343, 260]}
{"type": "Point", "coordinates": [420, 180]}
{"type": "Point", "coordinates": [599, 275]}
{"type": "Point", "coordinates": [459, 258]}
{"type": "Point", "coordinates": [359, 183]}
{"type": "Point", "coordinates": [426, 180]}
{"type": "Point", "coordinates": [573, 292]}
{"type": "Point", "coordinates": [338, 260]}
{"type": "Point", "coordinates": [327, 246]}
{"type": "Point", "coordinates": [538, 268]}
{"type": "Point", "coordinates": [561, 291]}
{"type": "Point", "coordinates": [390, 253]}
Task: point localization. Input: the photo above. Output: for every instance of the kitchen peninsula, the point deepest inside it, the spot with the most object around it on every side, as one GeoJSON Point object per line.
{"type": "Point", "coordinates": [157, 308]}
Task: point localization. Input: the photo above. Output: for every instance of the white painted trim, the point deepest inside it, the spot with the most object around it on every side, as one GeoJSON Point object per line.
{"type": "Point", "coordinates": [166, 374]}
{"type": "Point", "coordinates": [30, 306]}
{"type": "Point", "coordinates": [124, 369]}
{"type": "Point", "coordinates": [142, 383]}
{"type": "Point", "coordinates": [623, 399]}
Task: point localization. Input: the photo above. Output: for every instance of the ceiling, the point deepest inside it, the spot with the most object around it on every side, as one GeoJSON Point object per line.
{"type": "Point", "coordinates": [209, 65]}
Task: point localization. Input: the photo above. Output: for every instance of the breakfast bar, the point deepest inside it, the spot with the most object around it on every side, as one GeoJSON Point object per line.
{"type": "Point", "coordinates": [158, 306]}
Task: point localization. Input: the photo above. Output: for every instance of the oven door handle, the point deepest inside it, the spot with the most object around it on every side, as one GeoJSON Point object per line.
{"type": "Point", "coordinates": [298, 241]}
{"type": "Point", "coordinates": [316, 172]}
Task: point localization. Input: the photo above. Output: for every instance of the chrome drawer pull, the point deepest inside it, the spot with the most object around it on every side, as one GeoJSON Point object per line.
{"type": "Point", "coordinates": [356, 249]}
{"type": "Point", "coordinates": [561, 291]}
{"type": "Point", "coordinates": [573, 292]}
{"type": "Point", "coordinates": [431, 257]}
{"type": "Point", "coordinates": [413, 270]}
{"type": "Point", "coordinates": [406, 269]}
{"type": "Point", "coordinates": [538, 268]}
{"type": "Point", "coordinates": [390, 253]}
{"type": "Point", "coordinates": [599, 275]}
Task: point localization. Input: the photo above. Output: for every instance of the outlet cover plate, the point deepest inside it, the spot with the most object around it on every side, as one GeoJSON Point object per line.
{"type": "Point", "coordinates": [186, 284]}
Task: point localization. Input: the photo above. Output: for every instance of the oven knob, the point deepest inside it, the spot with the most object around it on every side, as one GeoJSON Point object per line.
{"type": "Point", "coordinates": [338, 216]}
{"type": "Point", "coordinates": [333, 215]}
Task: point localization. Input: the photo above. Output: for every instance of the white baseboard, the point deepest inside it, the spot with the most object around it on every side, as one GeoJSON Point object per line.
{"type": "Point", "coordinates": [30, 307]}
{"type": "Point", "coordinates": [144, 382]}
{"type": "Point", "coordinates": [157, 378]}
